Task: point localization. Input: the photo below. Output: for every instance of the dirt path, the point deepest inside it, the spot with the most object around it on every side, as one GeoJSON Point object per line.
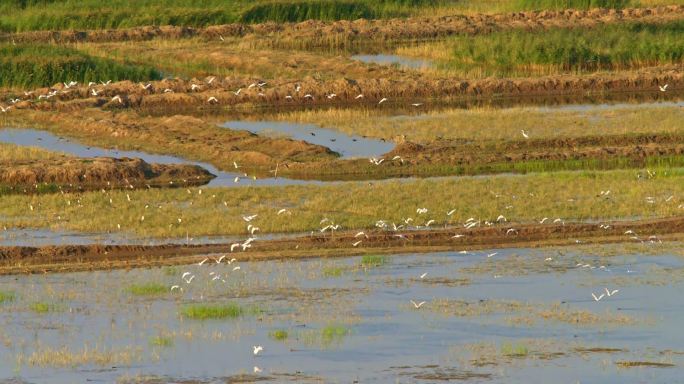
{"type": "Point", "coordinates": [345, 33]}
{"type": "Point", "coordinates": [17, 260]}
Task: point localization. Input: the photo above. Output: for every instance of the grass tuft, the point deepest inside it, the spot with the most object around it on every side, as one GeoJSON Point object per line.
{"type": "Point", "coordinates": [217, 312]}
{"type": "Point", "coordinates": [6, 297]}
{"type": "Point", "coordinates": [279, 335]}
{"type": "Point", "coordinates": [374, 260]}
{"type": "Point", "coordinates": [161, 341]}
{"type": "Point", "coordinates": [148, 289]}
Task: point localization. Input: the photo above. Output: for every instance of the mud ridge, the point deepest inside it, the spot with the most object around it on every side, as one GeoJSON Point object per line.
{"type": "Point", "coordinates": [100, 173]}
{"type": "Point", "coordinates": [24, 259]}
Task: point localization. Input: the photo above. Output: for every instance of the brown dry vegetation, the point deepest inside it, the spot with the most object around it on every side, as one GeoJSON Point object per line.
{"type": "Point", "coordinates": [345, 33]}
{"type": "Point", "coordinates": [190, 137]}
{"type": "Point", "coordinates": [25, 259]}
{"type": "Point", "coordinates": [100, 172]}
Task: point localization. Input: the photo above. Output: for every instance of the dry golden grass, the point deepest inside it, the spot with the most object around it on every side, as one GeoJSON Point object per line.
{"type": "Point", "coordinates": [12, 153]}
{"type": "Point", "coordinates": [46, 356]}
{"type": "Point", "coordinates": [496, 124]}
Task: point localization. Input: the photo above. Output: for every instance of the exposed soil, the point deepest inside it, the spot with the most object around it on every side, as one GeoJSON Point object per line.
{"type": "Point", "coordinates": [190, 137]}
{"type": "Point", "coordinates": [174, 94]}
{"type": "Point", "coordinates": [21, 259]}
{"type": "Point", "coordinates": [100, 172]}
{"type": "Point", "coordinates": [460, 157]}
{"type": "Point", "coordinates": [348, 32]}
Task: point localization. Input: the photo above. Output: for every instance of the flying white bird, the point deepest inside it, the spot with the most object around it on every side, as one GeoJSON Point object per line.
{"type": "Point", "coordinates": [382, 100]}
{"type": "Point", "coordinates": [525, 135]}
{"type": "Point", "coordinates": [611, 293]}
{"type": "Point", "coordinates": [117, 98]}
{"type": "Point", "coordinates": [597, 298]}
{"type": "Point", "coordinates": [663, 88]}
{"type": "Point", "coordinates": [202, 262]}
{"type": "Point", "coordinates": [257, 349]}
{"type": "Point", "coordinates": [357, 243]}
{"type": "Point", "coordinates": [492, 254]}
{"type": "Point", "coordinates": [249, 218]}
{"type": "Point", "coordinates": [423, 275]}
{"type": "Point", "coordinates": [417, 305]}
{"type": "Point", "coordinates": [212, 100]}
{"type": "Point", "coordinates": [359, 96]}
{"type": "Point", "coordinates": [283, 211]}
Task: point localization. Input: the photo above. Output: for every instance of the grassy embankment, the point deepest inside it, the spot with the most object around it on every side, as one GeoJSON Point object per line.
{"type": "Point", "coordinates": [521, 53]}
{"type": "Point", "coordinates": [27, 66]}
{"type": "Point", "coordinates": [484, 124]}
{"type": "Point", "coordinates": [28, 15]}
{"type": "Point", "coordinates": [357, 205]}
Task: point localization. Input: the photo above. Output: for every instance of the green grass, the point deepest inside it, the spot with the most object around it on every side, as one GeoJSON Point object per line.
{"type": "Point", "coordinates": [330, 335]}
{"type": "Point", "coordinates": [41, 307]}
{"type": "Point", "coordinates": [217, 312]}
{"type": "Point", "coordinates": [279, 335]}
{"type": "Point", "coordinates": [577, 50]}
{"type": "Point", "coordinates": [6, 297]}
{"type": "Point", "coordinates": [161, 341]}
{"type": "Point", "coordinates": [100, 14]}
{"type": "Point", "coordinates": [28, 15]}
{"type": "Point", "coordinates": [355, 205]}
{"type": "Point", "coordinates": [333, 271]}
{"type": "Point", "coordinates": [514, 350]}
{"type": "Point", "coordinates": [147, 289]}
{"type": "Point", "coordinates": [29, 66]}
{"type": "Point", "coordinates": [575, 4]}
{"type": "Point", "coordinates": [374, 260]}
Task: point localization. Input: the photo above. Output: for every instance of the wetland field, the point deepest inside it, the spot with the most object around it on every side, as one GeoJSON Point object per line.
{"type": "Point", "coordinates": [341, 191]}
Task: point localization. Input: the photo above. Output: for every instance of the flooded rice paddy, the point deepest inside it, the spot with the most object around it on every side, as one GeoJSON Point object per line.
{"type": "Point", "coordinates": [346, 145]}
{"type": "Point", "coordinates": [48, 141]}
{"type": "Point", "coordinates": [498, 316]}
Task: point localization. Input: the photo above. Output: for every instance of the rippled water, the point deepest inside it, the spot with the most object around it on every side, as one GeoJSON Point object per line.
{"type": "Point", "coordinates": [346, 323]}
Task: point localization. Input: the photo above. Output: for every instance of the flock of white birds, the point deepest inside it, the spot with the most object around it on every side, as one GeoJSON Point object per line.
{"type": "Point", "coordinates": [188, 277]}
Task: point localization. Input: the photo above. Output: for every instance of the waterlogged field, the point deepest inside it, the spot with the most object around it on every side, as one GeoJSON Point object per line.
{"type": "Point", "coordinates": [402, 137]}
{"type": "Point", "coordinates": [482, 316]}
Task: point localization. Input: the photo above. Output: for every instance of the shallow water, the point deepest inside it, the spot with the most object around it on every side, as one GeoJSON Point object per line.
{"type": "Point", "coordinates": [401, 61]}
{"type": "Point", "coordinates": [345, 145]}
{"type": "Point", "coordinates": [346, 323]}
{"type": "Point", "coordinates": [46, 140]}
{"type": "Point", "coordinates": [34, 237]}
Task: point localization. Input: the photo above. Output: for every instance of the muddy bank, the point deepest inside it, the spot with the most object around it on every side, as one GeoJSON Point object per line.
{"type": "Point", "coordinates": [191, 138]}
{"type": "Point", "coordinates": [460, 157]}
{"type": "Point", "coordinates": [214, 93]}
{"type": "Point", "coordinates": [98, 173]}
{"type": "Point", "coordinates": [347, 33]}
{"type": "Point", "coordinates": [15, 260]}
